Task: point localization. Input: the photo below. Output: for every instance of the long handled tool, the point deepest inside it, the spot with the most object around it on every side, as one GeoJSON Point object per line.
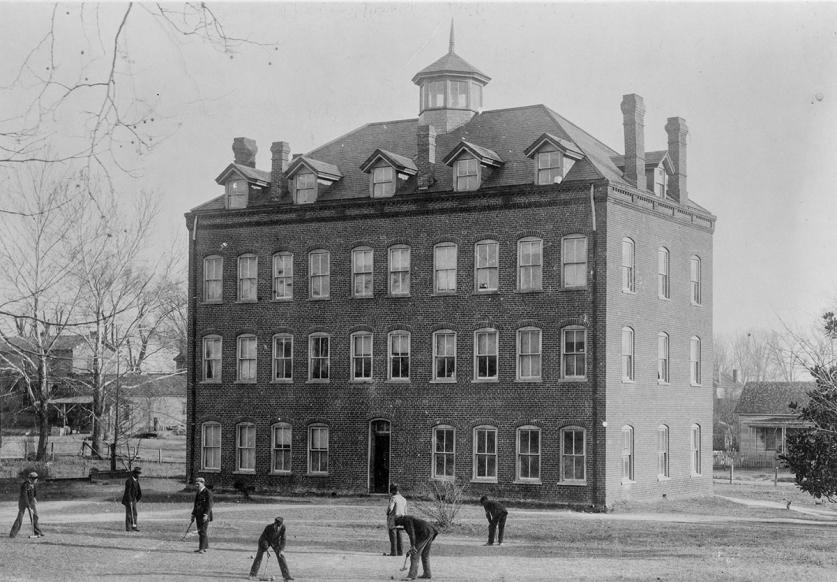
{"type": "Point", "coordinates": [419, 550]}
{"type": "Point", "coordinates": [264, 576]}
{"type": "Point", "coordinates": [183, 539]}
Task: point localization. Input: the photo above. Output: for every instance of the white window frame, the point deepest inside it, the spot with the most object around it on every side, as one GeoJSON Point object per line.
{"type": "Point", "coordinates": [248, 278]}
{"type": "Point", "coordinates": [695, 450]}
{"type": "Point", "coordinates": [574, 329]}
{"type": "Point", "coordinates": [400, 261]}
{"type": "Point", "coordinates": [695, 361]}
{"type": "Point", "coordinates": [245, 446]}
{"type": "Point", "coordinates": [361, 362]}
{"type": "Point", "coordinates": [628, 355]}
{"type": "Point", "coordinates": [449, 272]}
{"type": "Point", "coordinates": [487, 267]}
{"type": "Point", "coordinates": [530, 274]}
{"type": "Point", "coordinates": [319, 278]}
{"type": "Point", "coordinates": [520, 455]}
{"type": "Point", "coordinates": [487, 356]}
{"type": "Point", "coordinates": [237, 192]}
{"type": "Point", "coordinates": [305, 188]}
{"type": "Point", "coordinates": [278, 450]}
{"type": "Point", "coordinates": [660, 182]}
{"type": "Point", "coordinates": [363, 272]}
{"type": "Point", "coordinates": [448, 334]}
{"type": "Point", "coordinates": [663, 273]}
{"type": "Point", "coordinates": [663, 358]}
{"type": "Point", "coordinates": [466, 174]}
{"type": "Point", "coordinates": [283, 361]}
{"type": "Point", "coordinates": [246, 373]}
{"type": "Point", "coordinates": [534, 353]}
{"type": "Point", "coordinates": [391, 356]}
{"type": "Point", "coordinates": [448, 456]}
{"type": "Point", "coordinates": [548, 166]}
{"type": "Point", "coordinates": [663, 452]}
{"type": "Point", "coordinates": [627, 454]}
{"type": "Point", "coordinates": [321, 451]}
{"type": "Point", "coordinates": [312, 339]}
{"type": "Point", "coordinates": [482, 452]}
{"type": "Point", "coordinates": [571, 457]}
{"type": "Point", "coordinates": [463, 91]}
{"type": "Point", "coordinates": [283, 284]}
{"type": "Point", "coordinates": [213, 279]}
{"type": "Point", "coordinates": [212, 339]}
{"type": "Point", "coordinates": [209, 465]}
{"type": "Point", "coordinates": [570, 262]}
{"type": "Point", "coordinates": [696, 280]}
{"type": "Point", "coordinates": [628, 265]}
{"type": "Point", "coordinates": [382, 185]}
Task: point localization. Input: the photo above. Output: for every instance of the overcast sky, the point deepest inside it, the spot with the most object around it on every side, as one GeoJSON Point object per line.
{"type": "Point", "coordinates": [756, 83]}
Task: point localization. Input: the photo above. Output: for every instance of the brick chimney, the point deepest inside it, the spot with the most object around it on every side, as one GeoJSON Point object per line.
{"type": "Point", "coordinates": [633, 118]}
{"type": "Point", "coordinates": [280, 154]}
{"type": "Point", "coordinates": [677, 132]}
{"type": "Point", "coordinates": [426, 155]}
{"type": "Point", "coordinates": [245, 150]}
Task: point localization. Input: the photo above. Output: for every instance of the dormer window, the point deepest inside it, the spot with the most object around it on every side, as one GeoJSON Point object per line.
{"type": "Point", "coordinates": [305, 188]}
{"type": "Point", "coordinates": [553, 157]}
{"type": "Point", "coordinates": [237, 193]}
{"type": "Point", "coordinates": [468, 160]}
{"type": "Point", "coordinates": [386, 171]}
{"type": "Point", "coordinates": [306, 174]}
{"type": "Point", "coordinates": [549, 167]}
{"type": "Point", "coordinates": [383, 182]}
{"type": "Point", "coordinates": [466, 175]}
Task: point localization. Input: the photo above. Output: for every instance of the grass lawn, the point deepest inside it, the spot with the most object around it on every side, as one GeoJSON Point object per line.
{"type": "Point", "coordinates": [343, 539]}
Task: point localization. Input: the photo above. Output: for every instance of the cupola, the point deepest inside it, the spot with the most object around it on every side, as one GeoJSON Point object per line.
{"type": "Point", "coordinates": [450, 91]}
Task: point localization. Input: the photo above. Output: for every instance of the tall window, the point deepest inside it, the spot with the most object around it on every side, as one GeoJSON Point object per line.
{"type": "Point", "coordinates": [549, 166]}
{"type": "Point", "coordinates": [466, 174]}
{"type": "Point", "coordinates": [318, 449]}
{"type": "Point", "coordinates": [485, 453]}
{"type": "Point", "coordinates": [694, 444]}
{"type": "Point", "coordinates": [236, 191]}
{"type": "Point", "coordinates": [245, 447]}
{"type": "Point", "coordinates": [319, 274]}
{"type": "Point", "coordinates": [627, 453]}
{"type": "Point", "coordinates": [662, 451]}
{"type": "Point", "coordinates": [435, 94]}
{"type": "Point", "coordinates": [399, 270]}
{"type": "Point", "coordinates": [210, 446]}
{"type": "Point", "coordinates": [444, 452]}
{"type": "Point", "coordinates": [573, 456]}
{"type": "Point", "coordinates": [574, 352]}
{"type": "Point", "coordinates": [486, 265]}
{"type": "Point", "coordinates": [459, 94]}
{"type": "Point", "coordinates": [529, 354]}
{"type": "Point", "coordinates": [246, 358]}
{"type": "Point", "coordinates": [485, 354]}
{"type": "Point", "coordinates": [695, 280]}
{"type": "Point", "coordinates": [318, 357]}
{"type": "Point", "coordinates": [444, 268]}
{"type": "Point", "coordinates": [247, 277]}
{"type": "Point", "coordinates": [361, 356]}
{"type": "Point", "coordinates": [399, 355]}
{"type": "Point", "coordinates": [282, 448]}
{"type": "Point", "coordinates": [628, 266]}
{"type": "Point", "coordinates": [212, 358]}
{"type": "Point", "coordinates": [529, 453]}
{"type": "Point", "coordinates": [627, 354]}
{"type": "Point", "coordinates": [574, 260]}
{"type": "Point", "coordinates": [213, 278]}
{"type": "Point", "coordinates": [362, 272]}
{"type": "Point", "coordinates": [663, 265]}
{"type": "Point", "coordinates": [660, 182]}
{"type": "Point", "coordinates": [305, 186]}
{"type": "Point", "coordinates": [283, 276]}
{"type": "Point", "coordinates": [694, 360]}
{"type": "Point", "coordinates": [662, 358]}
{"type": "Point", "coordinates": [283, 357]}
{"type": "Point", "coordinates": [529, 264]}
{"type": "Point", "coordinates": [383, 183]}
{"type": "Point", "coordinates": [444, 355]}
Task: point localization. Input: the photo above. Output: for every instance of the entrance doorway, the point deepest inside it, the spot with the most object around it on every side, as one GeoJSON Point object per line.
{"type": "Point", "coordinates": [379, 432]}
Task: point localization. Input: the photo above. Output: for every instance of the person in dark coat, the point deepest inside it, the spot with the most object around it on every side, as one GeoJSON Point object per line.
{"type": "Point", "coordinates": [27, 501]}
{"type": "Point", "coordinates": [273, 536]}
{"type": "Point", "coordinates": [421, 535]}
{"type": "Point", "coordinates": [496, 516]}
{"type": "Point", "coordinates": [132, 495]}
{"type": "Point", "coordinates": [202, 513]}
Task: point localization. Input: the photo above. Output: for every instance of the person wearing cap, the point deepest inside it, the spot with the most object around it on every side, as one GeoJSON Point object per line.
{"type": "Point", "coordinates": [27, 501]}
{"type": "Point", "coordinates": [132, 495]}
{"type": "Point", "coordinates": [396, 508]}
{"type": "Point", "coordinates": [496, 514]}
{"type": "Point", "coordinates": [202, 513]}
{"type": "Point", "coordinates": [273, 536]}
{"type": "Point", "coordinates": [421, 534]}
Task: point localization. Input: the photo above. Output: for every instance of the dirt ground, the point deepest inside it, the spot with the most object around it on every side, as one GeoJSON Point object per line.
{"type": "Point", "coordinates": [743, 533]}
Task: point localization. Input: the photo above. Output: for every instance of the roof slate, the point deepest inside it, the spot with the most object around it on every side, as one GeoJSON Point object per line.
{"type": "Point", "coordinates": [772, 397]}
{"type": "Point", "coordinates": [450, 63]}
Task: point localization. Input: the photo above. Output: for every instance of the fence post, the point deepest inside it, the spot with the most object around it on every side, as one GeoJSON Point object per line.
{"type": "Point", "coordinates": [731, 469]}
{"type": "Point", "coordinates": [776, 476]}
{"type": "Point", "coordinates": [159, 455]}
{"type": "Point", "coordinates": [52, 451]}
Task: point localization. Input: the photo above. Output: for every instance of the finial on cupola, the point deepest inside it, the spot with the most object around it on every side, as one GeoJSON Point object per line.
{"type": "Point", "coordinates": [452, 41]}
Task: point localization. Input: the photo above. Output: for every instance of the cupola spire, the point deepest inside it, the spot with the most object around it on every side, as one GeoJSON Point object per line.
{"type": "Point", "coordinates": [452, 39]}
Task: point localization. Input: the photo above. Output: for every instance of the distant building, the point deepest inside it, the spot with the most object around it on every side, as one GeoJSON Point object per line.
{"type": "Point", "coordinates": [490, 295]}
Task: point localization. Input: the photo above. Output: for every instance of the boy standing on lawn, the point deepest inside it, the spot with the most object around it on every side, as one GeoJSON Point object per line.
{"type": "Point", "coordinates": [27, 501]}
{"type": "Point", "coordinates": [396, 508]}
{"type": "Point", "coordinates": [496, 516]}
{"type": "Point", "coordinates": [130, 498]}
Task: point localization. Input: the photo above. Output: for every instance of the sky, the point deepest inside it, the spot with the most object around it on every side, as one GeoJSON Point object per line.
{"type": "Point", "coordinates": [756, 83]}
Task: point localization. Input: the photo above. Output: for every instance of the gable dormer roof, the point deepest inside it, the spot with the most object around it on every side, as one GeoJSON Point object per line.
{"type": "Point", "coordinates": [252, 175]}
{"type": "Point", "coordinates": [323, 170]}
{"type": "Point", "coordinates": [400, 163]}
{"type": "Point", "coordinates": [652, 160]}
{"type": "Point", "coordinates": [566, 146]}
{"type": "Point", "coordinates": [485, 156]}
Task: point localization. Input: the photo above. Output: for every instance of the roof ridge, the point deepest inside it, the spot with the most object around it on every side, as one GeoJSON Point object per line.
{"type": "Point", "coordinates": [562, 119]}
{"type": "Point", "coordinates": [355, 130]}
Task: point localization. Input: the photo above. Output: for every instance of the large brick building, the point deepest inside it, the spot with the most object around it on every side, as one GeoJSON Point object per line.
{"type": "Point", "coordinates": [491, 295]}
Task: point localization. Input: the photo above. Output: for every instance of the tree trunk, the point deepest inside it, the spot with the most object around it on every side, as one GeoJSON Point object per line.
{"type": "Point", "coordinates": [98, 414]}
{"type": "Point", "coordinates": [42, 414]}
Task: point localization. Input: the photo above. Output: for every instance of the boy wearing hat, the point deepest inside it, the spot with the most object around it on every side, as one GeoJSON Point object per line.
{"type": "Point", "coordinates": [273, 536]}
{"type": "Point", "coordinates": [132, 495]}
{"type": "Point", "coordinates": [202, 514]}
{"type": "Point", "coordinates": [27, 501]}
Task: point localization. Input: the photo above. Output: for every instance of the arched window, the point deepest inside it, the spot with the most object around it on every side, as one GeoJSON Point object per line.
{"type": "Point", "coordinates": [319, 276]}
{"type": "Point", "coordinates": [485, 354]}
{"type": "Point", "coordinates": [529, 454]}
{"type": "Point", "coordinates": [530, 264]}
{"type": "Point", "coordinates": [283, 357]}
{"type": "Point", "coordinates": [574, 352]}
{"type": "Point", "coordinates": [245, 447]}
{"type": "Point", "coordinates": [662, 451]}
{"type": "Point", "coordinates": [398, 343]}
{"type": "Point", "coordinates": [281, 461]}
{"type": "Point", "coordinates": [362, 272]}
{"type": "Point", "coordinates": [627, 354]}
{"type": "Point", "coordinates": [628, 266]}
{"type": "Point", "coordinates": [486, 265]}
{"type": "Point", "coordinates": [694, 361]}
{"type": "Point", "coordinates": [248, 267]}
{"type": "Point", "coordinates": [318, 449]}
{"type": "Point", "coordinates": [283, 276]}
{"type": "Point", "coordinates": [573, 455]}
{"type": "Point", "coordinates": [319, 357]}
{"type": "Point", "coordinates": [695, 280]}
{"type": "Point", "coordinates": [444, 268]}
{"type": "Point", "coordinates": [444, 452]}
{"type": "Point", "coordinates": [213, 279]}
{"type": "Point", "coordinates": [694, 444]}
{"type": "Point", "coordinates": [444, 356]}
{"type": "Point", "coordinates": [399, 270]}
{"type": "Point", "coordinates": [663, 368]}
{"type": "Point", "coordinates": [627, 453]}
{"type": "Point", "coordinates": [361, 345]}
{"type": "Point", "coordinates": [246, 358]}
{"type": "Point", "coordinates": [574, 261]}
{"type": "Point", "coordinates": [212, 358]}
{"type": "Point", "coordinates": [663, 270]}
{"type": "Point", "coordinates": [210, 446]}
{"type": "Point", "coordinates": [529, 353]}
{"type": "Point", "coordinates": [485, 454]}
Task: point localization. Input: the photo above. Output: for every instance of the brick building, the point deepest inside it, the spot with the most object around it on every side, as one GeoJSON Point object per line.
{"type": "Point", "coordinates": [491, 295]}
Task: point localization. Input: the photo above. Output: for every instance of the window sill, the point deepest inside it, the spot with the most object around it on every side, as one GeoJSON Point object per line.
{"type": "Point", "coordinates": [580, 380]}
{"type": "Point", "coordinates": [694, 385]}
{"type": "Point", "coordinates": [246, 301]}
{"type": "Point", "coordinates": [569, 483]}
{"type": "Point", "coordinates": [398, 295]}
{"type": "Point", "coordinates": [579, 288]}
{"type": "Point", "coordinates": [661, 478]}
{"type": "Point", "coordinates": [282, 299]}
{"type": "Point", "coordinates": [527, 482]}
{"type": "Point", "coordinates": [663, 383]}
{"type": "Point", "coordinates": [697, 304]}
{"type": "Point", "coordinates": [221, 302]}
{"type": "Point", "coordinates": [528, 380]}
{"type": "Point", "coordinates": [444, 381]}
{"type": "Point", "coordinates": [282, 381]}
{"type": "Point", "coordinates": [244, 472]}
{"type": "Point", "coordinates": [361, 381]}
{"type": "Point", "coordinates": [624, 481]}
{"type": "Point", "coordinates": [398, 381]}
{"type": "Point", "coordinates": [280, 473]}
{"type": "Point", "coordinates": [625, 381]}
{"type": "Point", "coordinates": [485, 380]}
{"type": "Point", "coordinates": [661, 298]}
{"type": "Point", "coordinates": [209, 470]}
{"type": "Point", "coordinates": [245, 382]}
{"type": "Point", "coordinates": [628, 292]}
{"type": "Point", "coordinates": [318, 381]}
{"type": "Point", "coordinates": [484, 480]}
{"type": "Point", "coordinates": [361, 297]}
{"type": "Point", "coordinates": [443, 294]}
{"type": "Point", "coordinates": [209, 382]}
{"type": "Point", "coordinates": [695, 475]}
{"type": "Point", "coordinates": [319, 298]}
{"type": "Point", "coordinates": [527, 291]}
{"type": "Point", "coordinates": [309, 474]}
{"type": "Point", "coordinates": [486, 292]}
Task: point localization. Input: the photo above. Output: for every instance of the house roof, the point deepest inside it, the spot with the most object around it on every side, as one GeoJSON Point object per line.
{"type": "Point", "coordinates": [484, 155]}
{"type": "Point", "coordinates": [250, 174]}
{"type": "Point", "coordinates": [772, 397]}
{"type": "Point", "coordinates": [319, 167]}
{"type": "Point", "coordinates": [400, 163]}
{"type": "Point", "coordinates": [450, 64]}
{"type": "Point", "coordinates": [62, 342]}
